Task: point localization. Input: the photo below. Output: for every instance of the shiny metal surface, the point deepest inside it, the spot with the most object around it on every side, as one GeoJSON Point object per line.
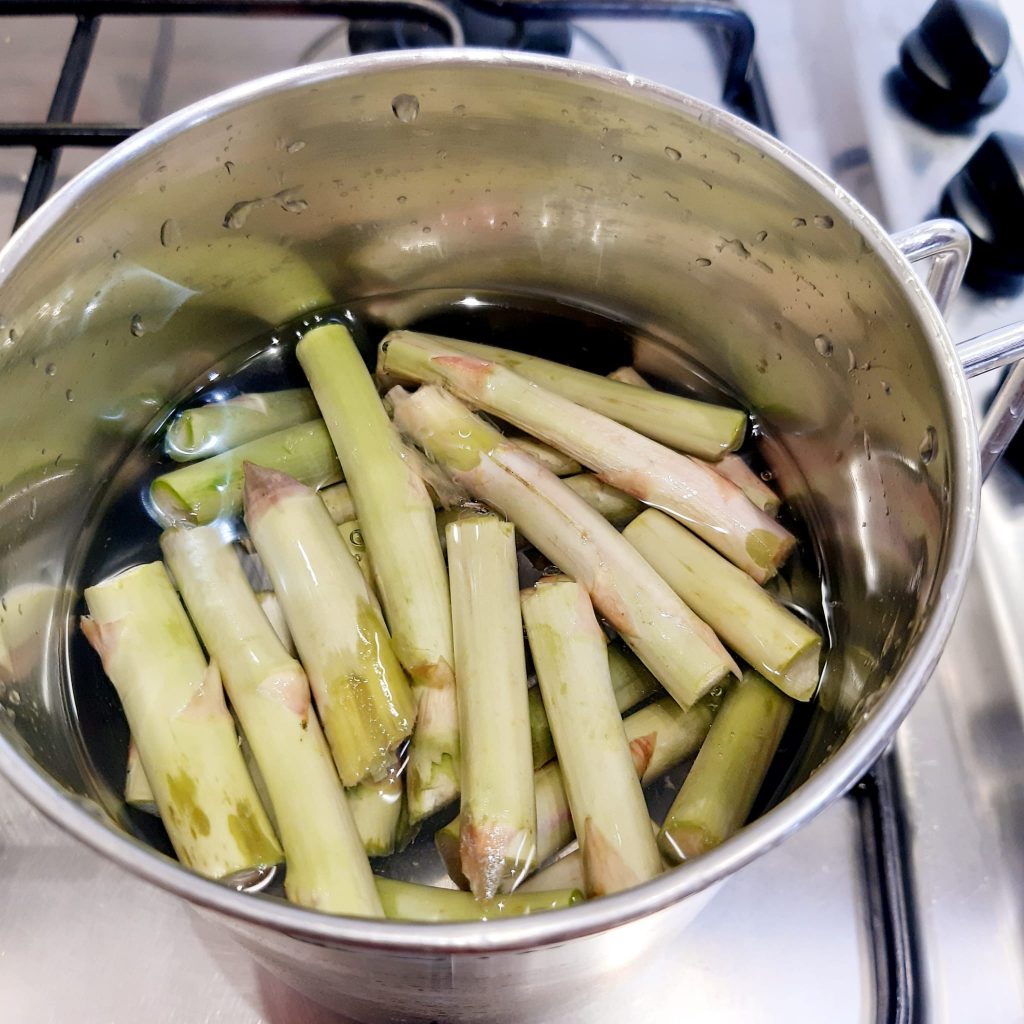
{"type": "Point", "coordinates": [510, 163]}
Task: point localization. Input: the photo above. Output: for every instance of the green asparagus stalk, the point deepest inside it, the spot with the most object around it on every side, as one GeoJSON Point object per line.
{"type": "Point", "coordinates": [616, 506]}
{"type": "Point", "coordinates": [750, 621]}
{"type": "Point", "coordinates": [397, 519]}
{"type": "Point", "coordinates": [684, 424]}
{"type": "Point", "coordinates": [407, 901]}
{"type": "Point", "coordinates": [339, 503]}
{"type": "Point", "coordinates": [359, 687]}
{"type": "Point", "coordinates": [377, 809]}
{"type": "Point", "coordinates": [660, 737]}
{"type": "Point", "coordinates": [681, 651]}
{"type": "Point", "coordinates": [212, 489]}
{"type": "Point", "coordinates": [731, 466]}
{"type": "Point", "coordinates": [550, 458]}
{"type": "Point", "coordinates": [713, 507]}
{"type": "Point", "coordinates": [175, 709]}
{"type": "Point", "coordinates": [210, 429]}
{"type": "Point", "coordinates": [564, 873]}
{"type": "Point", "coordinates": [631, 682]}
{"type": "Point", "coordinates": [607, 804]}
{"type": "Point", "coordinates": [498, 814]}
{"type": "Point", "coordinates": [269, 692]}
{"type": "Point", "coordinates": [716, 797]}
{"type": "Point", "coordinates": [137, 790]}
{"type": "Point", "coordinates": [275, 616]}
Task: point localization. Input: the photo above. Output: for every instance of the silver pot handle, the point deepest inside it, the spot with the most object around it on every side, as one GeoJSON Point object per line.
{"type": "Point", "coordinates": [948, 245]}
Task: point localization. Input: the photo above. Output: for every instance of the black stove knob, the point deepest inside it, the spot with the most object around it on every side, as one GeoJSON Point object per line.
{"type": "Point", "coordinates": [951, 65]}
{"type": "Point", "coordinates": [987, 196]}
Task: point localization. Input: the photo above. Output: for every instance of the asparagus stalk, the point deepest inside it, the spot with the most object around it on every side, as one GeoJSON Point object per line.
{"type": "Point", "coordinates": [186, 737]}
{"type": "Point", "coordinates": [607, 804]}
{"type": "Point", "coordinates": [750, 621]}
{"type": "Point", "coordinates": [616, 506]}
{"type": "Point", "coordinates": [210, 429]}
{"type": "Point", "coordinates": [564, 873]}
{"type": "Point", "coordinates": [377, 809]}
{"type": "Point", "coordinates": [407, 901]}
{"type": "Point", "coordinates": [631, 683]}
{"type": "Point", "coordinates": [400, 533]}
{"type": "Point", "coordinates": [498, 815]}
{"type": "Point", "coordinates": [339, 503]}
{"type": "Point", "coordinates": [731, 466]}
{"type": "Point", "coordinates": [680, 650]}
{"type": "Point", "coordinates": [716, 797]}
{"type": "Point", "coordinates": [550, 458]}
{"type": "Point", "coordinates": [275, 616]}
{"type": "Point", "coordinates": [269, 692]}
{"type": "Point", "coordinates": [212, 489]}
{"type": "Point", "coordinates": [361, 692]}
{"type": "Point", "coordinates": [660, 737]}
{"type": "Point", "coordinates": [689, 490]}
{"type": "Point", "coordinates": [137, 790]}
{"type": "Point", "coordinates": [685, 424]}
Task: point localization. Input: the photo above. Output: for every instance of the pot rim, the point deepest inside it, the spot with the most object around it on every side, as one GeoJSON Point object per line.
{"type": "Point", "coordinates": [79, 817]}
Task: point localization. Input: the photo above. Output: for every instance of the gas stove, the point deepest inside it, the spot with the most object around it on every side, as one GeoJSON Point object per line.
{"type": "Point", "coordinates": [900, 903]}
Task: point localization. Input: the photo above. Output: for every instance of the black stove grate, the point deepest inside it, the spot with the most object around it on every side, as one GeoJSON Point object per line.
{"type": "Point", "coordinates": [884, 825]}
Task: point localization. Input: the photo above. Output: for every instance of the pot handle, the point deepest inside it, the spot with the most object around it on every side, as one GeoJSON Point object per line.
{"type": "Point", "coordinates": [948, 245]}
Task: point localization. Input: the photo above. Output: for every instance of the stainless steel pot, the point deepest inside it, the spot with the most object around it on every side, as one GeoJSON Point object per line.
{"type": "Point", "coordinates": [487, 171]}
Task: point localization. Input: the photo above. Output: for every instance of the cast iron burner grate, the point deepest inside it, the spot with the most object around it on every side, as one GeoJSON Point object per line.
{"type": "Point", "coordinates": [540, 26]}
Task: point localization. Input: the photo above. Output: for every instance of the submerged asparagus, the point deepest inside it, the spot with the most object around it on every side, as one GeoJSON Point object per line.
{"type": "Point", "coordinates": [400, 532]}
{"type": "Point", "coordinates": [498, 814]}
{"type": "Point", "coordinates": [377, 809]}
{"type": "Point", "coordinates": [550, 458]}
{"type": "Point", "coordinates": [689, 490]}
{"type": "Point", "coordinates": [211, 489]}
{"type": "Point", "coordinates": [679, 649]}
{"type": "Point", "coordinates": [269, 693]}
{"type": "Point", "coordinates": [616, 506]}
{"type": "Point", "coordinates": [607, 804]}
{"type": "Point", "coordinates": [750, 621]}
{"type": "Point", "coordinates": [175, 709]}
{"type": "Point", "coordinates": [407, 901]}
{"type": "Point", "coordinates": [339, 503]}
{"type": "Point", "coordinates": [361, 692]}
{"type": "Point", "coordinates": [137, 790]}
{"type": "Point", "coordinates": [685, 424]}
{"type": "Point", "coordinates": [210, 429]}
{"type": "Point", "coordinates": [631, 682]}
{"type": "Point", "coordinates": [716, 797]}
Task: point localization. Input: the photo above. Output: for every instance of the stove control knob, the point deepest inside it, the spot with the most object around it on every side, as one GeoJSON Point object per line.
{"type": "Point", "coordinates": [951, 65]}
{"type": "Point", "coordinates": [987, 196]}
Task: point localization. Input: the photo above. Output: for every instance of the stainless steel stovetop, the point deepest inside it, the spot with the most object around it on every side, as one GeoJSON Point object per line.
{"type": "Point", "coordinates": [904, 901]}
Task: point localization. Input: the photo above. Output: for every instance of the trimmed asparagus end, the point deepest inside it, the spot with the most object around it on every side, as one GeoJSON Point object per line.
{"type": "Point", "coordinates": [627, 375]}
{"type": "Point", "coordinates": [137, 790]}
{"type": "Point", "coordinates": [338, 502]}
{"type": "Point", "coordinates": [377, 809]}
{"type": "Point", "coordinates": [449, 847]}
{"type": "Point", "coordinates": [408, 901]}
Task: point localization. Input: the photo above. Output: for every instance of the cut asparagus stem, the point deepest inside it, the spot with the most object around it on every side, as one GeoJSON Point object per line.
{"type": "Point", "coordinates": [275, 616]}
{"type": "Point", "coordinates": [137, 790]}
{"type": "Point", "coordinates": [689, 490]}
{"type": "Point", "coordinates": [685, 424]}
{"type": "Point", "coordinates": [607, 804]}
{"type": "Point", "coordinates": [339, 503]}
{"type": "Point", "coordinates": [627, 375]}
{"type": "Point", "coordinates": [616, 506]}
{"type": "Point", "coordinates": [498, 814]}
{"type": "Point", "coordinates": [680, 650]}
{"type": "Point", "coordinates": [631, 682]}
{"type": "Point", "coordinates": [750, 621]}
{"type": "Point", "coordinates": [564, 873]}
{"type": "Point", "coordinates": [660, 737]}
{"type": "Point", "coordinates": [175, 709]}
{"type": "Point", "coordinates": [327, 867]}
{"type": "Point", "coordinates": [352, 535]}
{"type": "Point", "coordinates": [400, 532]}
{"type": "Point", "coordinates": [716, 797]}
{"type": "Point", "coordinates": [361, 692]}
{"type": "Point", "coordinates": [210, 429]}
{"type": "Point", "coordinates": [550, 458]}
{"type": "Point", "coordinates": [212, 489]}
{"type": "Point", "coordinates": [377, 809]}
{"type": "Point", "coordinates": [407, 901]}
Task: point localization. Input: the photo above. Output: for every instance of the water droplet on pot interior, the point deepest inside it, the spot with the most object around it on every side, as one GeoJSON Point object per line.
{"type": "Point", "coordinates": [799, 222]}
{"type": "Point", "coordinates": [295, 147]}
{"type": "Point", "coordinates": [703, 261]}
{"type": "Point", "coordinates": [69, 395]}
{"type": "Point", "coordinates": [136, 326]}
{"type": "Point", "coordinates": [616, 158]}
{"type": "Point", "coordinates": [116, 254]}
{"type": "Point", "coordinates": [822, 220]}
{"type": "Point", "coordinates": [824, 345]}
{"type": "Point", "coordinates": [673, 154]}
{"type": "Point", "coordinates": [406, 107]}
{"type": "Point", "coordinates": [50, 369]}
{"type": "Point", "coordinates": [170, 235]}
{"type": "Point", "coordinates": [929, 446]}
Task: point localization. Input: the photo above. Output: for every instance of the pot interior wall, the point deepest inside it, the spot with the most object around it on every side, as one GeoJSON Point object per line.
{"type": "Point", "coordinates": [471, 177]}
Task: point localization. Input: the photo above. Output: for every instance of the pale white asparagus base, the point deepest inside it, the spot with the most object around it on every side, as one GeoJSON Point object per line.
{"type": "Point", "coordinates": [396, 515]}
{"type": "Point", "coordinates": [605, 798]}
{"type": "Point", "coordinates": [361, 692]}
{"type": "Point", "coordinates": [690, 491]}
{"type": "Point", "coordinates": [377, 809]}
{"type": "Point", "coordinates": [748, 619]}
{"type": "Point", "coordinates": [498, 812]}
{"type": "Point", "coordinates": [175, 707]}
{"type": "Point", "coordinates": [681, 651]}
